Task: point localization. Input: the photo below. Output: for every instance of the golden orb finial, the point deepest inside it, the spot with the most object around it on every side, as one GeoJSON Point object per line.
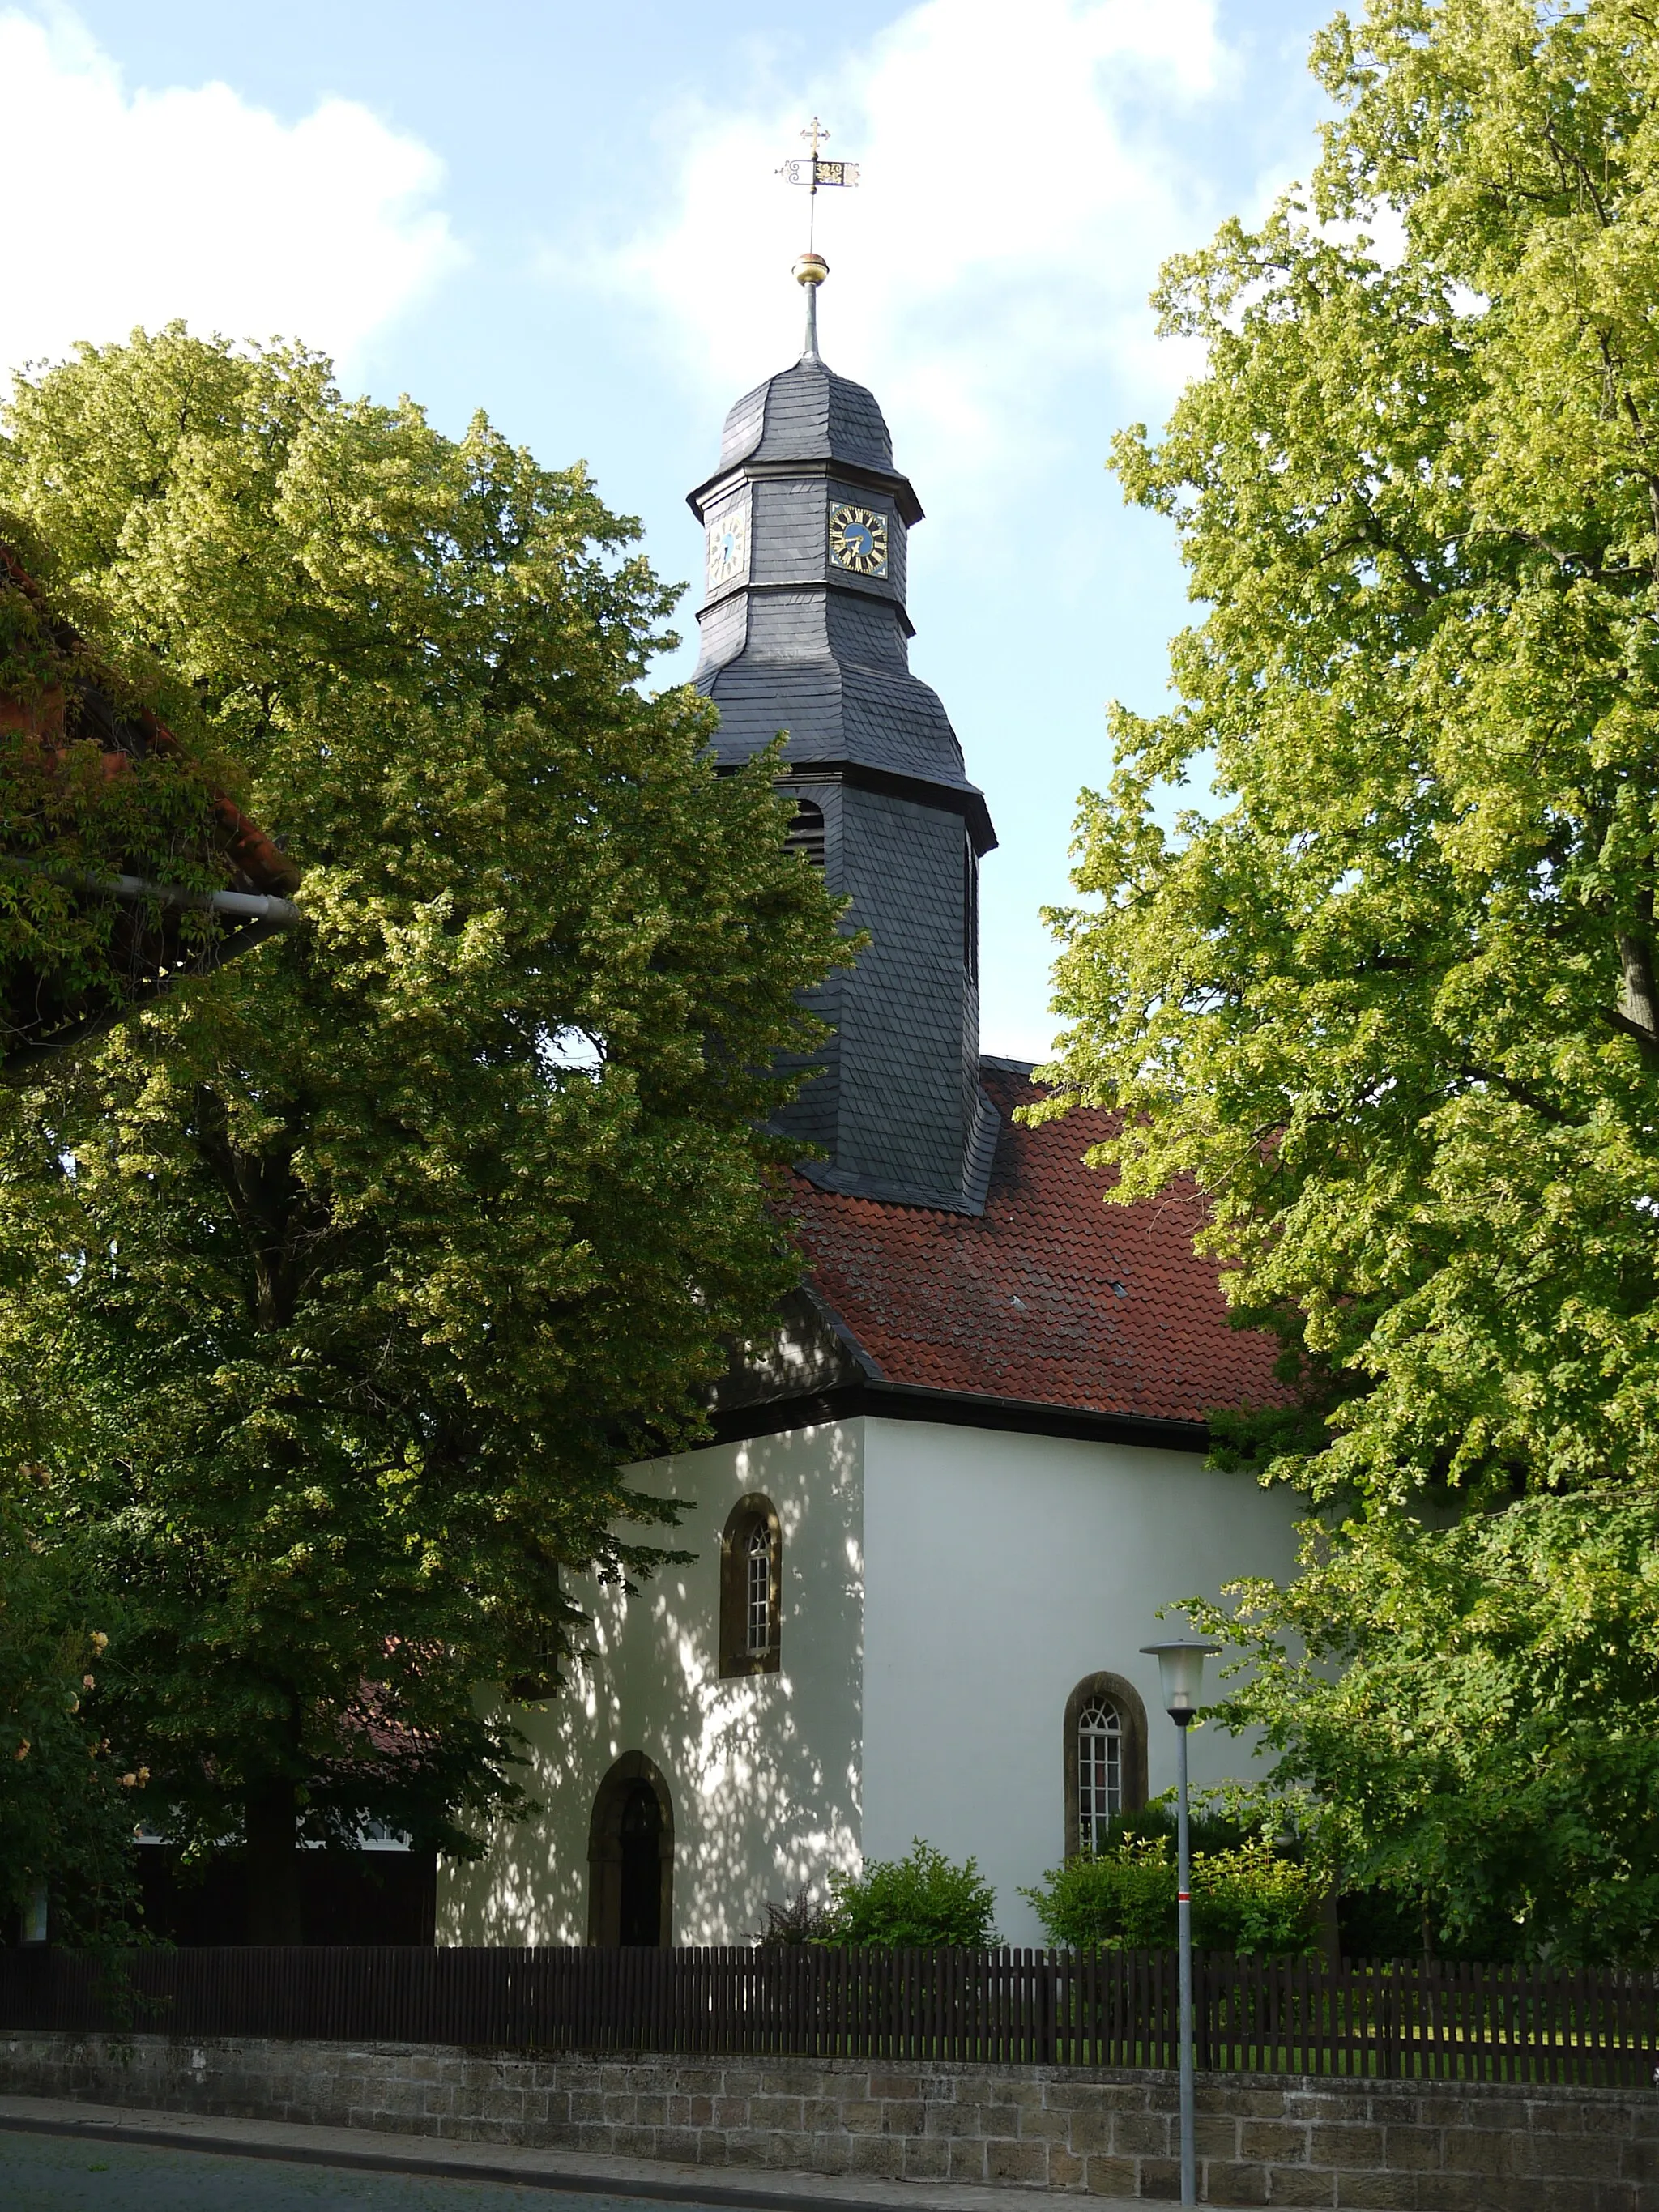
{"type": "Point", "coordinates": [810, 269]}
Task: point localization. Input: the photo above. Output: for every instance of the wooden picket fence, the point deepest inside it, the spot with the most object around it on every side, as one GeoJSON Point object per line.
{"type": "Point", "coordinates": [1395, 2019]}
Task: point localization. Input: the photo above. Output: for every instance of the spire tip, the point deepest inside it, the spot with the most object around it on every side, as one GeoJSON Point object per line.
{"type": "Point", "coordinates": [809, 271]}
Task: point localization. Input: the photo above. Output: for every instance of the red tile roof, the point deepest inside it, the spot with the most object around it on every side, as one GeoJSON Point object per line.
{"type": "Point", "coordinates": [1050, 1297]}
{"type": "Point", "coordinates": [47, 733]}
{"type": "Point", "coordinates": [77, 707]}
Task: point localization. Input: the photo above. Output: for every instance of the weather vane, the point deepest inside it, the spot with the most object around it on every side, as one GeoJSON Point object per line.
{"type": "Point", "coordinates": [815, 171]}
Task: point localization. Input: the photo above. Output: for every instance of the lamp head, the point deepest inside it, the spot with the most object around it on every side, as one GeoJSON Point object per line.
{"type": "Point", "coordinates": [1181, 1674]}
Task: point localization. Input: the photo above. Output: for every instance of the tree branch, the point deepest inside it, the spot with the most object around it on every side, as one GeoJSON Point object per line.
{"type": "Point", "coordinates": [1524, 1095]}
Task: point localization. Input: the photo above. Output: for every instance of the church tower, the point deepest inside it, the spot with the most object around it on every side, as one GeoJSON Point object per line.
{"type": "Point", "coordinates": [807, 522]}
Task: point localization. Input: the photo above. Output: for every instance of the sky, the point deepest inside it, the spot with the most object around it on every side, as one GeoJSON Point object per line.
{"type": "Point", "coordinates": [569, 216]}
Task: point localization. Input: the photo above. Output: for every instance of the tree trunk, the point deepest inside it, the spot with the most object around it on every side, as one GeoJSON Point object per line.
{"type": "Point", "coordinates": [1638, 1001]}
{"type": "Point", "coordinates": [1637, 1012]}
{"type": "Point", "coordinates": [273, 1865]}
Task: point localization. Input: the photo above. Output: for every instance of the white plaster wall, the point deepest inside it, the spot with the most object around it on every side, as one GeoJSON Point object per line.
{"type": "Point", "coordinates": [1001, 1569]}
{"type": "Point", "coordinates": [764, 1770]}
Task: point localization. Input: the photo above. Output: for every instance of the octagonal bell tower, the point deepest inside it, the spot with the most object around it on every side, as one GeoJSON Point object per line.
{"type": "Point", "coordinates": [807, 524]}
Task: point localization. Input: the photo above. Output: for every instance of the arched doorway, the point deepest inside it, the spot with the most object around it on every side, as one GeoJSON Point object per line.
{"type": "Point", "coordinates": [630, 1858]}
{"type": "Point", "coordinates": [639, 1905]}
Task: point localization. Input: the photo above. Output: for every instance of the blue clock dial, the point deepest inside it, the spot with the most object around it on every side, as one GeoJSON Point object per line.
{"type": "Point", "coordinates": [728, 547]}
{"type": "Point", "coordinates": [858, 540]}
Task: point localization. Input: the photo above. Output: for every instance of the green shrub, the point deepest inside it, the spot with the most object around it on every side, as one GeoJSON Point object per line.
{"type": "Point", "coordinates": [911, 1902]}
{"type": "Point", "coordinates": [1246, 1899]}
{"type": "Point", "coordinates": [1119, 1899]}
{"type": "Point", "coordinates": [797, 1920]}
{"type": "Point", "coordinates": [1211, 1828]}
{"type": "Point", "coordinates": [1254, 1899]}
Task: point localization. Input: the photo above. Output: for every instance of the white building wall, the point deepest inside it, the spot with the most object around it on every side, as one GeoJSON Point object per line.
{"type": "Point", "coordinates": [944, 1589]}
{"type": "Point", "coordinates": [1001, 1569]}
{"type": "Point", "coordinates": [764, 1770]}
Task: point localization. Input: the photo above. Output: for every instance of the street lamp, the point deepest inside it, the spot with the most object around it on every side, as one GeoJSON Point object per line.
{"type": "Point", "coordinates": [1181, 1674]}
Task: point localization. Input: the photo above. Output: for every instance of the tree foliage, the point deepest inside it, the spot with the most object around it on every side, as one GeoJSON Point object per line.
{"type": "Point", "coordinates": [1469, 1717]}
{"type": "Point", "coordinates": [1390, 1000]}
{"type": "Point", "coordinates": [339, 1291]}
{"type": "Point", "coordinates": [66, 1812]}
{"type": "Point", "coordinates": [66, 821]}
{"type": "Point", "coordinates": [1388, 994]}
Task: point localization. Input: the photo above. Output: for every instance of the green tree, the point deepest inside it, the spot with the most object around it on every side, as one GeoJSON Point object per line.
{"type": "Point", "coordinates": [1470, 1718]}
{"type": "Point", "coordinates": [1388, 996]}
{"type": "Point", "coordinates": [913, 1903]}
{"type": "Point", "coordinates": [340, 1291]}
{"type": "Point", "coordinates": [66, 1812]}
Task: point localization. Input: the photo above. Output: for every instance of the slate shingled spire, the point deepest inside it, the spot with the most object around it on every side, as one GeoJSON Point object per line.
{"type": "Point", "coordinates": [796, 639]}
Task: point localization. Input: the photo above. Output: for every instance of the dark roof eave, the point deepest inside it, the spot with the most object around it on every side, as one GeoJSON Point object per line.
{"type": "Point", "coordinates": [965, 799]}
{"type": "Point", "coordinates": [900, 489]}
{"type": "Point", "coordinates": [968, 1409]}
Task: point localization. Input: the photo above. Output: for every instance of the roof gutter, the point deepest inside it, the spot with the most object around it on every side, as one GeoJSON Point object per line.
{"type": "Point", "coordinates": [134, 890]}
{"type": "Point", "coordinates": [255, 917]}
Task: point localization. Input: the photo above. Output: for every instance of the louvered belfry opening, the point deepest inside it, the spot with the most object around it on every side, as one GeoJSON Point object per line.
{"type": "Point", "coordinates": [806, 832]}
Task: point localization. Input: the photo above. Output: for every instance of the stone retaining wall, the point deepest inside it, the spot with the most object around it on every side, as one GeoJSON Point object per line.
{"type": "Point", "coordinates": [1382, 2146]}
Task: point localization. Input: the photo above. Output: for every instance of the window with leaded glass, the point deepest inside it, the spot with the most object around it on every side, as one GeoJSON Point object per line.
{"type": "Point", "coordinates": [1099, 1772]}
{"type": "Point", "coordinates": [760, 1589]}
{"type": "Point", "coordinates": [751, 1588]}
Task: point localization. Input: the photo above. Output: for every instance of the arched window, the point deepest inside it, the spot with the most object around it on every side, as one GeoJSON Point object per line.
{"type": "Point", "coordinates": [1105, 1759]}
{"type": "Point", "coordinates": [806, 834]}
{"type": "Point", "coordinates": [751, 1588]}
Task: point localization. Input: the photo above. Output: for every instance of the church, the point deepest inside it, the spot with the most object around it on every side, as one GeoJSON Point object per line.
{"type": "Point", "coordinates": [942, 1508]}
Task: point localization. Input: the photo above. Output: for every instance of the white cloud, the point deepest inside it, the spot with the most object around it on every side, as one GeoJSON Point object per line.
{"type": "Point", "coordinates": [1022, 177]}
{"type": "Point", "coordinates": [140, 207]}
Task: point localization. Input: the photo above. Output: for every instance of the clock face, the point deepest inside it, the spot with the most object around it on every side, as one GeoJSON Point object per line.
{"type": "Point", "coordinates": [858, 540]}
{"type": "Point", "coordinates": [728, 546]}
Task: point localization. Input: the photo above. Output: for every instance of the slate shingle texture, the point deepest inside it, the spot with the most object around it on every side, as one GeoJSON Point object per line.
{"type": "Point", "coordinates": [808, 413]}
{"type": "Point", "coordinates": [1050, 1297]}
{"type": "Point", "coordinates": [793, 642]}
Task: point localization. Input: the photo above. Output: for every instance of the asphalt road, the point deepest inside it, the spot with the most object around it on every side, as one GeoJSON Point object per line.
{"type": "Point", "coordinates": [61, 2174]}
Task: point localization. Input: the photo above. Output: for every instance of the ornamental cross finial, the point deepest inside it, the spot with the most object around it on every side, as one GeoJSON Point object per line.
{"type": "Point", "coordinates": [815, 171]}
{"type": "Point", "coordinates": [812, 267]}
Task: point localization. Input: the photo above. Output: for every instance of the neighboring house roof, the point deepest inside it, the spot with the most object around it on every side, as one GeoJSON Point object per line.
{"type": "Point", "coordinates": [1050, 1312]}
{"type": "Point", "coordinates": [41, 1014]}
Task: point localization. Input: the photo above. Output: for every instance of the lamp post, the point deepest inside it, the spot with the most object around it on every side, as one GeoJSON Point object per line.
{"type": "Point", "coordinates": [1181, 1674]}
